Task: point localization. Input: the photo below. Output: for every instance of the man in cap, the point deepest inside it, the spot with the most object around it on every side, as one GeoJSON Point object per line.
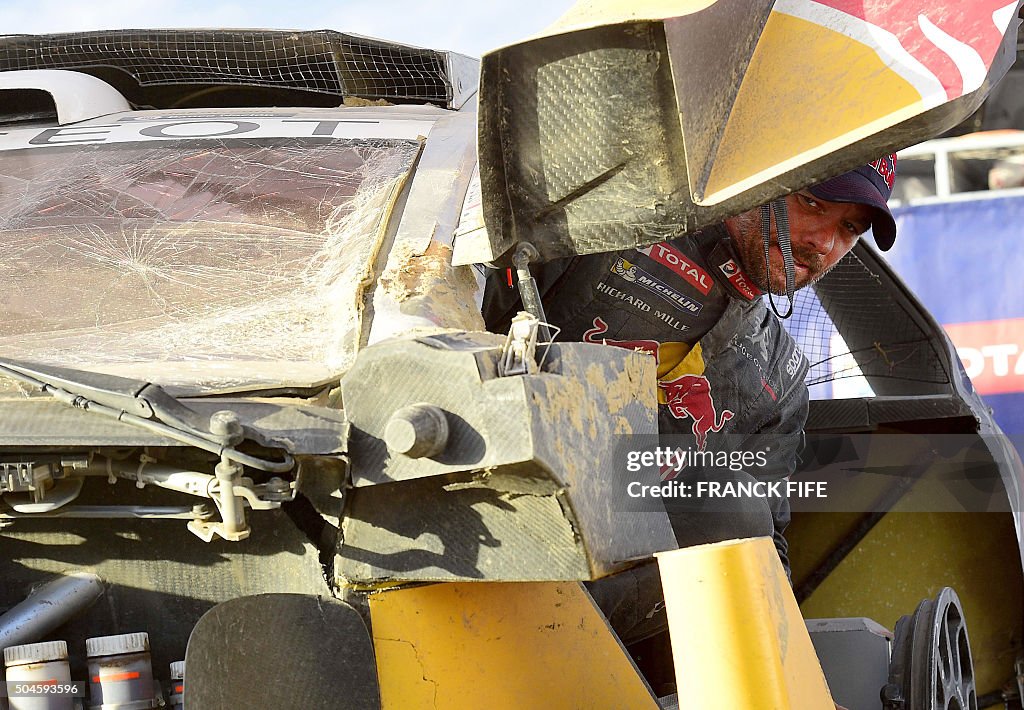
{"type": "Point", "coordinates": [729, 376]}
{"type": "Point", "coordinates": [852, 202]}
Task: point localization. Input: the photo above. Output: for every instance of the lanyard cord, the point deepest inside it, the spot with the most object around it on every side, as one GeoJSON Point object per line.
{"type": "Point", "coordinates": [782, 232]}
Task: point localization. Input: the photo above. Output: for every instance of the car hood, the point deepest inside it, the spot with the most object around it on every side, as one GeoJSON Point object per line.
{"type": "Point", "coordinates": [207, 251]}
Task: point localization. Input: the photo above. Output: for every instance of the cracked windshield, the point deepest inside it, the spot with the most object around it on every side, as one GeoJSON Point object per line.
{"type": "Point", "coordinates": [202, 264]}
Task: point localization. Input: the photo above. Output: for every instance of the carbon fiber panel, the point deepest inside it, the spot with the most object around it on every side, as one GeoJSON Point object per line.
{"type": "Point", "coordinates": [539, 445]}
{"type": "Point", "coordinates": [419, 531]}
{"type": "Point", "coordinates": [281, 651]}
{"type": "Point", "coordinates": [914, 408]}
{"type": "Point", "coordinates": [583, 128]}
{"type": "Point", "coordinates": [593, 150]}
{"type": "Point", "coordinates": [851, 415]}
{"type": "Point", "coordinates": [159, 577]}
{"type": "Point", "coordinates": [846, 414]}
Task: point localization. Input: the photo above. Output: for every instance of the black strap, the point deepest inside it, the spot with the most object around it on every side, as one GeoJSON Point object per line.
{"type": "Point", "coordinates": [778, 207]}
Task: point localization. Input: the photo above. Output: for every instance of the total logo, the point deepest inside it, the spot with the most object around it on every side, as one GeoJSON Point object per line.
{"type": "Point", "coordinates": [681, 265]}
{"type": "Point", "coordinates": [740, 281]}
{"type": "Point", "coordinates": [992, 353]}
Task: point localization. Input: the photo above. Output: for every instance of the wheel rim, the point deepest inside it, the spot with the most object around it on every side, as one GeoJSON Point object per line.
{"type": "Point", "coordinates": [931, 667]}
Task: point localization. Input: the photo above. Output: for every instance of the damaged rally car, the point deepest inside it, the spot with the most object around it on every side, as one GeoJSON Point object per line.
{"type": "Point", "coordinates": [248, 402]}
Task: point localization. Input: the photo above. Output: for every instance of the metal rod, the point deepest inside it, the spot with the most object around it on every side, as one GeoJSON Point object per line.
{"type": "Point", "coordinates": [170, 477]}
{"type": "Point", "coordinates": [528, 291]}
{"type": "Point", "coordinates": [169, 512]}
{"type": "Point", "coordinates": [231, 510]}
{"type": "Point", "coordinates": [48, 607]}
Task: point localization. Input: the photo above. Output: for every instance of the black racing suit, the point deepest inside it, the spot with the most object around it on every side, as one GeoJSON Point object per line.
{"type": "Point", "coordinates": [729, 374]}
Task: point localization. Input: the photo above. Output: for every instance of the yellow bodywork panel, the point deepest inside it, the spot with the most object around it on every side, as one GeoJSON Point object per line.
{"type": "Point", "coordinates": [738, 639]}
{"type": "Point", "coordinates": [787, 70]}
{"type": "Point", "coordinates": [588, 13]}
{"type": "Point", "coordinates": [500, 645]}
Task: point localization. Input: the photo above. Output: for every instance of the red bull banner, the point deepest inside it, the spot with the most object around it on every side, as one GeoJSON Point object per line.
{"type": "Point", "coordinates": [867, 64]}
{"type": "Point", "coordinates": [943, 51]}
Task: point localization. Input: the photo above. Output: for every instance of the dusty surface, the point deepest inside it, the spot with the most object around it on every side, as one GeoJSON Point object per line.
{"type": "Point", "coordinates": [356, 101]}
{"type": "Point", "coordinates": [427, 285]}
{"type": "Point", "coordinates": [634, 383]}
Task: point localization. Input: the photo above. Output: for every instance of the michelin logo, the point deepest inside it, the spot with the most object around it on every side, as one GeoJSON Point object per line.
{"type": "Point", "coordinates": [634, 274]}
{"type": "Point", "coordinates": [624, 269]}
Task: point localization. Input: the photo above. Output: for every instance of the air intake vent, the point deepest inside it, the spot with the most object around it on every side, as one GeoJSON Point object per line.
{"type": "Point", "coordinates": [321, 62]}
{"type": "Point", "coordinates": [47, 94]}
{"type": "Point", "coordinates": [27, 106]}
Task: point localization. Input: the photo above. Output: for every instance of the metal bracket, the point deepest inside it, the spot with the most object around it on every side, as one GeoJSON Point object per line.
{"type": "Point", "coordinates": [232, 494]}
{"type": "Point", "coordinates": [233, 525]}
{"type": "Point", "coordinates": [63, 492]}
{"type": "Point", "coordinates": [26, 477]}
{"type": "Point", "coordinates": [519, 353]}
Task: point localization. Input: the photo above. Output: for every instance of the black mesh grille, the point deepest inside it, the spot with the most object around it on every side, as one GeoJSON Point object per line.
{"type": "Point", "coordinates": [881, 339]}
{"type": "Point", "coordinates": [320, 61]}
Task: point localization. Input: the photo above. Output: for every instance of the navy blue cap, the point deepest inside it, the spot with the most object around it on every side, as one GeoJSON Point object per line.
{"type": "Point", "coordinates": [870, 185]}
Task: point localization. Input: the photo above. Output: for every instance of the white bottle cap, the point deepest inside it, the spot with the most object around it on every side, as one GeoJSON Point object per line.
{"type": "Point", "coordinates": [36, 653]}
{"type": "Point", "coordinates": [117, 645]}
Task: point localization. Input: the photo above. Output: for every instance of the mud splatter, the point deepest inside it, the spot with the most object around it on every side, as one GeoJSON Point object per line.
{"type": "Point", "coordinates": [428, 286]}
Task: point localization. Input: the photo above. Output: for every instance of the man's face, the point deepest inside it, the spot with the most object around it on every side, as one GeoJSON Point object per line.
{"type": "Point", "coordinates": [822, 233]}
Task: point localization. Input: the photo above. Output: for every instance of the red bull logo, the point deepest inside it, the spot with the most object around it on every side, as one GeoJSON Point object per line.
{"type": "Point", "coordinates": [600, 328]}
{"type": "Point", "coordinates": [689, 396]}
{"type": "Point", "coordinates": [886, 169]}
{"type": "Point", "coordinates": [940, 50]}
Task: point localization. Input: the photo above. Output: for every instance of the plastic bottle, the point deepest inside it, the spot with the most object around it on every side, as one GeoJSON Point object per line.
{"type": "Point", "coordinates": [120, 672]}
{"type": "Point", "coordinates": [43, 663]}
{"type": "Point", "coordinates": [178, 685]}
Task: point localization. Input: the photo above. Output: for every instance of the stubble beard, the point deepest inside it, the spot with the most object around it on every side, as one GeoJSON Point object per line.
{"type": "Point", "coordinates": [749, 245]}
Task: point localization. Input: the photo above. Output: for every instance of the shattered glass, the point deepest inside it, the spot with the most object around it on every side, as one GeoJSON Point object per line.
{"type": "Point", "coordinates": [214, 264]}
